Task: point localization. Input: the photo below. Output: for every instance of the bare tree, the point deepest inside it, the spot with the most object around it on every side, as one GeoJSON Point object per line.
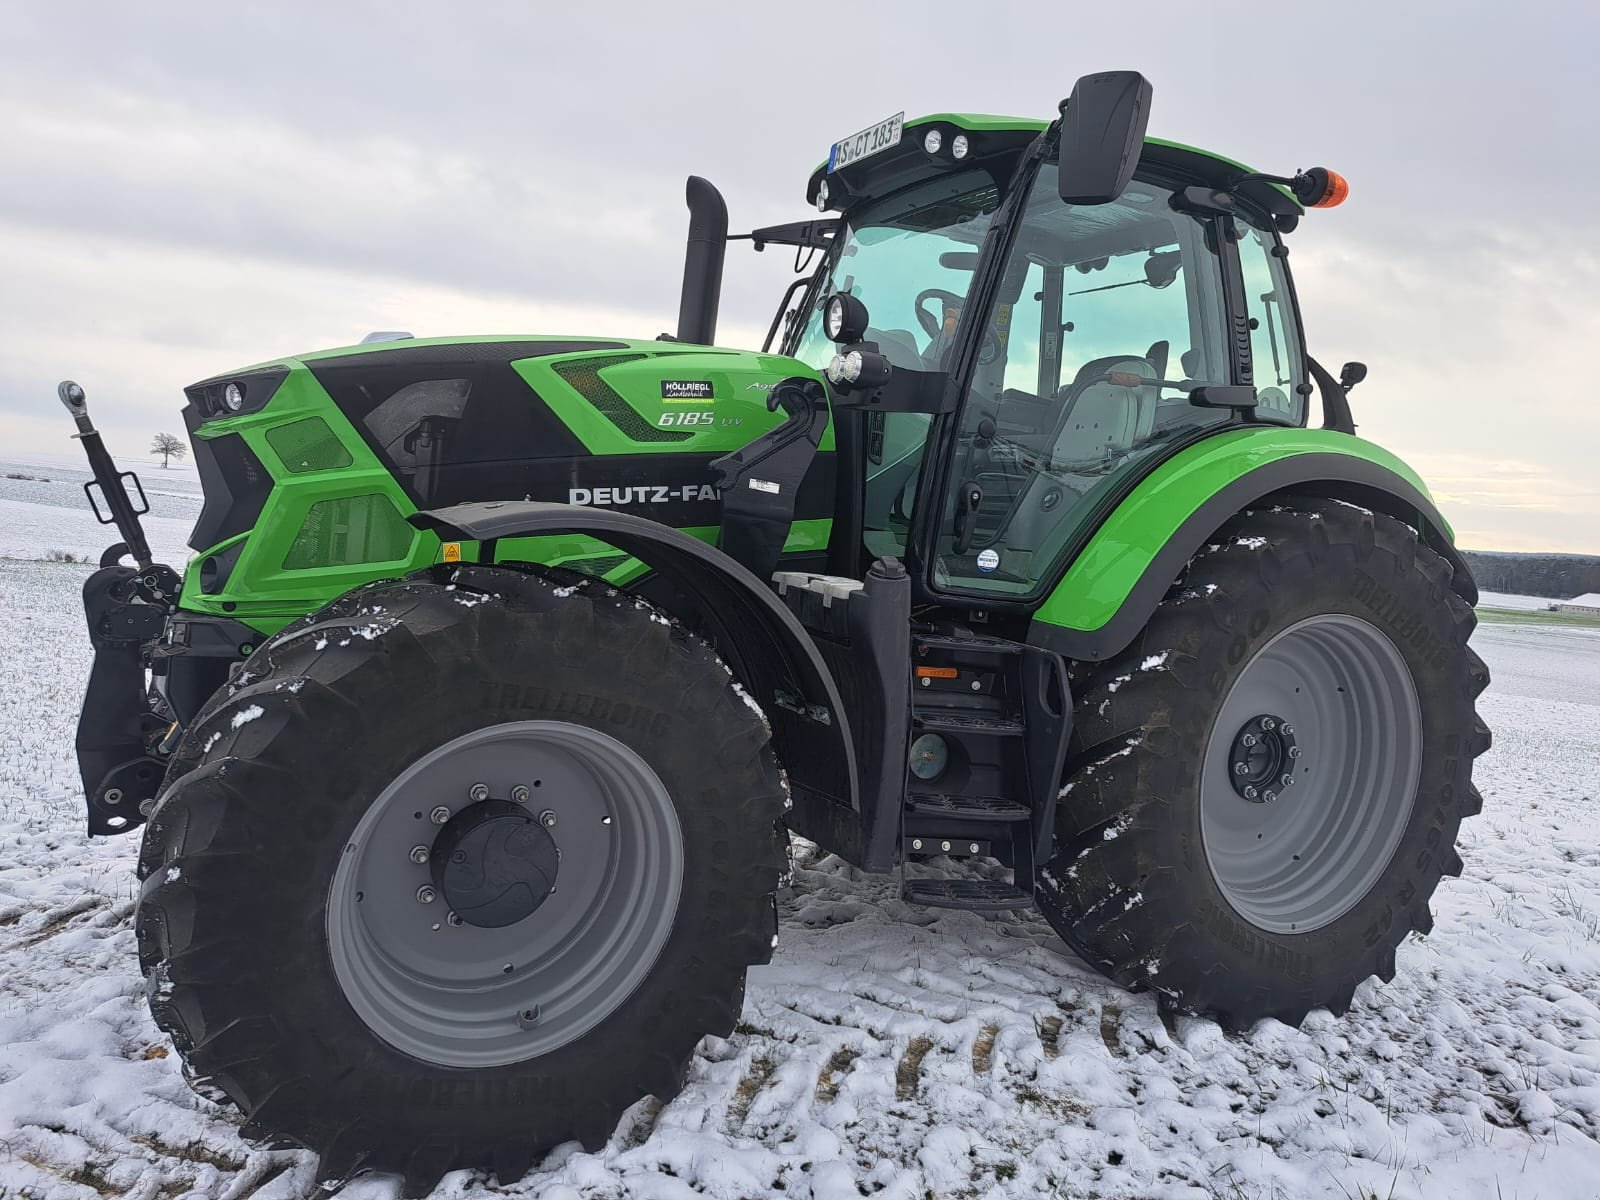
{"type": "Point", "coordinates": [168, 446]}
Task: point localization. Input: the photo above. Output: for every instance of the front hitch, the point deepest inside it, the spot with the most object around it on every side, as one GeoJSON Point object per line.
{"type": "Point", "coordinates": [162, 582]}
{"type": "Point", "coordinates": [123, 742]}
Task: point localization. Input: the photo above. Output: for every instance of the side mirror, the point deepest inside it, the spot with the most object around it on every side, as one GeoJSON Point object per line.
{"type": "Point", "coordinates": [1351, 374]}
{"type": "Point", "coordinates": [1103, 124]}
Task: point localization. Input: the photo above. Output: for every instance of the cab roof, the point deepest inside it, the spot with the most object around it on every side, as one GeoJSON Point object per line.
{"type": "Point", "coordinates": [994, 136]}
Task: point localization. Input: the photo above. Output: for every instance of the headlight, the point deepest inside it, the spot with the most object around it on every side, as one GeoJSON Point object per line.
{"type": "Point", "coordinates": [844, 319]}
{"type": "Point", "coordinates": [845, 368]}
{"type": "Point", "coordinates": [822, 196]}
{"type": "Point", "coordinates": [932, 140]}
{"type": "Point", "coordinates": [959, 146]}
{"type": "Point", "coordinates": [233, 396]}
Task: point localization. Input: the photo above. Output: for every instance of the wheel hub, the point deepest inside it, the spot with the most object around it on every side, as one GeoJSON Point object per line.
{"type": "Point", "coordinates": [1337, 688]}
{"type": "Point", "coordinates": [447, 932]}
{"type": "Point", "coordinates": [1262, 759]}
{"type": "Point", "coordinates": [494, 863]}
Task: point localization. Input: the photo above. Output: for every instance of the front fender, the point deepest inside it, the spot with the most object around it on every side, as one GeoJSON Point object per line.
{"type": "Point", "coordinates": [1114, 584]}
{"type": "Point", "coordinates": [764, 642]}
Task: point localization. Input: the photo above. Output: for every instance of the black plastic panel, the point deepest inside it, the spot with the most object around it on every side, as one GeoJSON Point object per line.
{"type": "Point", "coordinates": [235, 484]}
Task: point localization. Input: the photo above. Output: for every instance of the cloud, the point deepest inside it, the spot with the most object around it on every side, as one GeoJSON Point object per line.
{"type": "Point", "coordinates": [192, 186]}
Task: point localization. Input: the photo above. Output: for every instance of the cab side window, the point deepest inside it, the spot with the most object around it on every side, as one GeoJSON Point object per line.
{"type": "Point", "coordinates": [1274, 335]}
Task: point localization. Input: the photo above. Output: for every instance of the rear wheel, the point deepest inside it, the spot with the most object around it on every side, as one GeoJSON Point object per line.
{"type": "Point", "coordinates": [449, 878]}
{"type": "Point", "coordinates": [1265, 789]}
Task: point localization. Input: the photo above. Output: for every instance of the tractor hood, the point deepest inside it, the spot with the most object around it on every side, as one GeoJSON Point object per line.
{"type": "Point", "coordinates": [312, 463]}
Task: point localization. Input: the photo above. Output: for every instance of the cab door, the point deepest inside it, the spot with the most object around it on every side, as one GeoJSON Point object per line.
{"type": "Point", "coordinates": [1106, 321]}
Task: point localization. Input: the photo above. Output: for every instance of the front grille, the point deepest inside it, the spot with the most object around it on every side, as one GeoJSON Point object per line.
{"type": "Point", "coordinates": [583, 376]}
{"type": "Point", "coordinates": [308, 445]}
{"type": "Point", "coordinates": [350, 531]}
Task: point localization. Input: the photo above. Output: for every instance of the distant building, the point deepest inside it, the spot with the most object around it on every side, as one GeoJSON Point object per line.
{"type": "Point", "coordinates": [1588, 604]}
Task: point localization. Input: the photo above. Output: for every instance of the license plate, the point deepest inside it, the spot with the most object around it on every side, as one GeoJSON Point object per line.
{"type": "Point", "coordinates": [872, 140]}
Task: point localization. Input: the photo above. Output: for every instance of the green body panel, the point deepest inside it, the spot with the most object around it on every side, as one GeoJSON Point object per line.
{"type": "Point", "coordinates": [260, 592]}
{"type": "Point", "coordinates": [980, 122]}
{"type": "Point", "coordinates": [741, 381]}
{"type": "Point", "coordinates": [1104, 573]}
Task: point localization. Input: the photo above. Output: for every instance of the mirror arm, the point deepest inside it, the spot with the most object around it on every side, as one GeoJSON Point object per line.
{"type": "Point", "coordinates": [1335, 404]}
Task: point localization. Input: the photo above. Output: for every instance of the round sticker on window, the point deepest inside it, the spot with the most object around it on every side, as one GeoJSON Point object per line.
{"type": "Point", "coordinates": [988, 560]}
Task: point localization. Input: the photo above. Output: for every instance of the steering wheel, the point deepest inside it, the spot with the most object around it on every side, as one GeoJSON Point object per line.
{"type": "Point", "coordinates": [931, 325]}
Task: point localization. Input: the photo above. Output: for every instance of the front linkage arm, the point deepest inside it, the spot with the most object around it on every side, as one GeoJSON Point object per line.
{"type": "Point", "coordinates": [122, 742]}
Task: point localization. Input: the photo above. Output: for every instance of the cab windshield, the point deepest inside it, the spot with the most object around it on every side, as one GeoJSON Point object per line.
{"type": "Point", "coordinates": [909, 258]}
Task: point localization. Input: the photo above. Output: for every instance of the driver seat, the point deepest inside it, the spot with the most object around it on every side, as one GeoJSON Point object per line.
{"type": "Point", "coordinates": [1105, 419]}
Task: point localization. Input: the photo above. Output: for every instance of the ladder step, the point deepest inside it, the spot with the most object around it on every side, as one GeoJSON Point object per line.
{"type": "Point", "coordinates": [967, 808]}
{"type": "Point", "coordinates": [956, 721]}
{"type": "Point", "coordinates": [980, 642]}
{"type": "Point", "coordinates": [977, 895]}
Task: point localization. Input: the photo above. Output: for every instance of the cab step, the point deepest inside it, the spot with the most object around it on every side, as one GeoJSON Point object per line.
{"type": "Point", "coordinates": [966, 808]}
{"type": "Point", "coordinates": [966, 643]}
{"type": "Point", "coordinates": [957, 721]}
{"type": "Point", "coordinates": [975, 895]}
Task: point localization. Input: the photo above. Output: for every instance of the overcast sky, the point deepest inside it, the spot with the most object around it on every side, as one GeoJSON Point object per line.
{"type": "Point", "coordinates": [187, 188]}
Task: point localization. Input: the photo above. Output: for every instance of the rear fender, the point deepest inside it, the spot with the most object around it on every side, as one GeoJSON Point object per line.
{"type": "Point", "coordinates": [765, 645]}
{"type": "Point", "coordinates": [1141, 547]}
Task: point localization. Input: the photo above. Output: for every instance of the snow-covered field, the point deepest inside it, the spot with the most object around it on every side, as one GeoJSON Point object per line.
{"type": "Point", "coordinates": [43, 509]}
{"type": "Point", "coordinates": [1509, 600]}
{"type": "Point", "coordinates": [887, 1051]}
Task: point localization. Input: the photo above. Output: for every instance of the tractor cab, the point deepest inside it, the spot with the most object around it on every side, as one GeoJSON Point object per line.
{"type": "Point", "coordinates": [1040, 354]}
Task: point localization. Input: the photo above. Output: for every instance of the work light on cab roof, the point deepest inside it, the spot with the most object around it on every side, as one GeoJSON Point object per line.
{"type": "Point", "coordinates": [465, 734]}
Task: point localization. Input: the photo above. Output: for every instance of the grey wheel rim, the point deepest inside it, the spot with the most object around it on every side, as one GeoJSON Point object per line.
{"type": "Point", "coordinates": [1303, 858]}
{"type": "Point", "coordinates": [462, 995]}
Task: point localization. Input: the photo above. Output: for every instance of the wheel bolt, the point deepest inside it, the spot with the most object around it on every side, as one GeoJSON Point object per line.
{"type": "Point", "coordinates": [1268, 724]}
{"type": "Point", "coordinates": [439, 815]}
{"type": "Point", "coordinates": [1248, 739]}
{"type": "Point", "coordinates": [426, 894]}
{"type": "Point", "coordinates": [1287, 730]}
{"type": "Point", "coordinates": [419, 854]}
{"type": "Point", "coordinates": [547, 819]}
{"type": "Point", "coordinates": [1270, 797]}
{"type": "Point", "coordinates": [479, 792]}
{"type": "Point", "coordinates": [1287, 781]}
{"type": "Point", "coordinates": [454, 919]}
{"type": "Point", "coordinates": [1250, 792]}
{"type": "Point", "coordinates": [1240, 769]}
{"type": "Point", "coordinates": [520, 793]}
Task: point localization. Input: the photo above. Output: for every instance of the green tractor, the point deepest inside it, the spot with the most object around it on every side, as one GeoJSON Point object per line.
{"type": "Point", "coordinates": [469, 742]}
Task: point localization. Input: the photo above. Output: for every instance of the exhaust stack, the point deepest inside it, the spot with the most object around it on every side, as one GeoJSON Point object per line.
{"type": "Point", "coordinates": [702, 263]}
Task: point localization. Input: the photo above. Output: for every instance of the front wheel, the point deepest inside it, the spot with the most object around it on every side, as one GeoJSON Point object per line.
{"type": "Point", "coordinates": [449, 878]}
{"type": "Point", "coordinates": [1265, 789]}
